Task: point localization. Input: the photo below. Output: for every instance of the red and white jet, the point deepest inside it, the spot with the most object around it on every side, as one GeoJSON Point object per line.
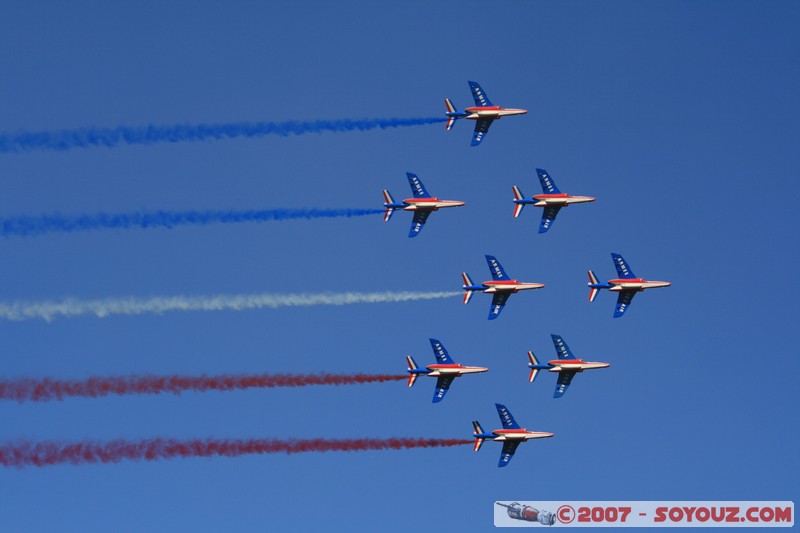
{"type": "Point", "coordinates": [552, 200]}
{"type": "Point", "coordinates": [567, 365]}
{"type": "Point", "coordinates": [445, 370]}
{"type": "Point", "coordinates": [627, 285]}
{"type": "Point", "coordinates": [511, 435]}
{"type": "Point", "coordinates": [422, 204]}
{"type": "Point", "coordinates": [501, 286]}
{"type": "Point", "coordinates": [483, 112]}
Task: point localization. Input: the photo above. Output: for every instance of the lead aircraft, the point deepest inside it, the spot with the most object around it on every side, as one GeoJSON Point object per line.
{"type": "Point", "coordinates": [511, 435]}
{"type": "Point", "coordinates": [484, 113]}
{"type": "Point", "coordinates": [552, 200]}
{"type": "Point", "coordinates": [627, 285]}
{"type": "Point", "coordinates": [422, 204]}
{"type": "Point", "coordinates": [501, 286]}
{"type": "Point", "coordinates": [445, 370]}
{"type": "Point", "coordinates": [567, 365]}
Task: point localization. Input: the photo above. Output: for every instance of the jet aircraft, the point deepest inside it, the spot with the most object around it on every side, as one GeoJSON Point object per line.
{"type": "Point", "coordinates": [552, 200]}
{"type": "Point", "coordinates": [567, 365]}
{"type": "Point", "coordinates": [501, 286]}
{"type": "Point", "coordinates": [422, 204]}
{"type": "Point", "coordinates": [483, 112]}
{"type": "Point", "coordinates": [511, 435]}
{"type": "Point", "coordinates": [445, 370]}
{"type": "Point", "coordinates": [627, 285]}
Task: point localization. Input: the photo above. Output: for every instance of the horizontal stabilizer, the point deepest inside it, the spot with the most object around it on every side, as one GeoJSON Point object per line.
{"type": "Point", "coordinates": [592, 290]}
{"type": "Point", "coordinates": [534, 371]}
{"type": "Point", "coordinates": [517, 196]}
{"type": "Point", "coordinates": [412, 365]}
{"type": "Point", "coordinates": [477, 430]}
{"type": "Point", "coordinates": [467, 283]}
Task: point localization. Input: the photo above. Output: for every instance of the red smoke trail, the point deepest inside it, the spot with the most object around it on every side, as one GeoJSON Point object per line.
{"type": "Point", "coordinates": [24, 454]}
{"type": "Point", "coordinates": [42, 390]}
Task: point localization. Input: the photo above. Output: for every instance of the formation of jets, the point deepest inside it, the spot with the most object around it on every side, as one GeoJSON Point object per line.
{"type": "Point", "coordinates": [566, 365]}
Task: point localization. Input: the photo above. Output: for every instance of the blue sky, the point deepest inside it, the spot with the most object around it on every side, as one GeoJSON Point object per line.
{"type": "Point", "coordinates": [681, 118]}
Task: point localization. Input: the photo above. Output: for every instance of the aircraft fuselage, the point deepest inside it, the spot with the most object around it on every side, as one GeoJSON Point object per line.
{"type": "Point", "coordinates": [511, 286]}
{"type": "Point", "coordinates": [429, 204]}
{"type": "Point", "coordinates": [574, 365]}
{"type": "Point", "coordinates": [635, 284]}
{"type": "Point", "coordinates": [519, 434]}
{"type": "Point", "coordinates": [491, 112]}
{"type": "Point", "coordinates": [453, 369]}
{"type": "Point", "coordinates": [543, 200]}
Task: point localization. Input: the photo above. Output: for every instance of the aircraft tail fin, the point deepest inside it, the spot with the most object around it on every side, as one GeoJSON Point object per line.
{"type": "Point", "coordinates": [517, 196]}
{"type": "Point", "coordinates": [389, 210]}
{"type": "Point", "coordinates": [534, 371]}
{"type": "Point", "coordinates": [592, 290]}
{"type": "Point", "coordinates": [411, 366]}
{"type": "Point", "coordinates": [478, 430]}
{"type": "Point", "coordinates": [467, 283]}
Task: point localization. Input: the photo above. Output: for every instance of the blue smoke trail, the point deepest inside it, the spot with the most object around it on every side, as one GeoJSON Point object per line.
{"type": "Point", "coordinates": [112, 137]}
{"type": "Point", "coordinates": [26, 226]}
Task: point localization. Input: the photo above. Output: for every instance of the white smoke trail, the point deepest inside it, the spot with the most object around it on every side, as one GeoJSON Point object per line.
{"type": "Point", "coordinates": [67, 308]}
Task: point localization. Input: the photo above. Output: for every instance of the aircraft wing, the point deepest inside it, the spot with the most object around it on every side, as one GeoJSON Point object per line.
{"type": "Point", "coordinates": [509, 447]}
{"type": "Point", "coordinates": [442, 386]}
{"type": "Point", "coordinates": [479, 95]}
{"type": "Point", "coordinates": [496, 269]}
{"type": "Point", "coordinates": [562, 349]}
{"type": "Point", "coordinates": [548, 217]}
{"type": "Point", "coordinates": [623, 270]}
{"type": "Point", "coordinates": [548, 185]}
{"type": "Point", "coordinates": [481, 128]}
{"type": "Point", "coordinates": [564, 379]}
{"type": "Point", "coordinates": [623, 301]}
{"type": "Point", "coordinates": [498, 302]}
{"type": "Point", "coordinates": [506, 418]}
{"type": "Point", "coordinates": [418, 221]}
{"type": "Point", "coordinates": [417, 188]}
{"type": "Point", "coordinates": [439, 351]}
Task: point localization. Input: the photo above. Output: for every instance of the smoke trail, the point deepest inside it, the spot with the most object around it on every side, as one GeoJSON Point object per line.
{"type": "Point", "coordinates": [25, 226]}
{"type": "Point", "coordinates": [48, 310]}
{"type": "Point", "coordinates": [24, 454]}
{"type": "Point", "coordinates": [46, 389]}
{"type": "Point", "coordinates": [112, 137]}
